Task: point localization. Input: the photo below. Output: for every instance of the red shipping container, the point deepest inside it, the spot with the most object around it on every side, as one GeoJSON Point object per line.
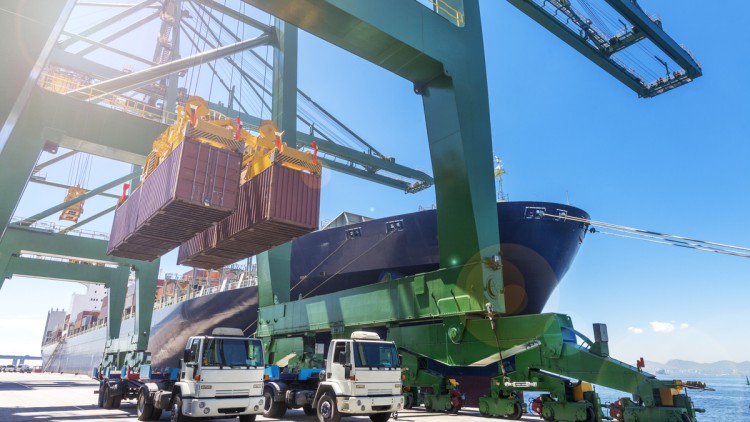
{"type": "Point", "coordinates": [274, 207]}
{"type": "Point", "coordinates": [193, 188]}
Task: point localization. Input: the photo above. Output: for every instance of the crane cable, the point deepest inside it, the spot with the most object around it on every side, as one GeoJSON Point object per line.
{"type": "Point", "coordinates": [656, 237]}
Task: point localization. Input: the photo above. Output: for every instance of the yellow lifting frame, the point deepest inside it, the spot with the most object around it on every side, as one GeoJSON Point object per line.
{"type": "Point", "coordinates": [196, 121]}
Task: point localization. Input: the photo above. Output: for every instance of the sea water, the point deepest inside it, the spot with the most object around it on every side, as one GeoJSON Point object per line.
{"type": "Point", "coordinates": [729, 402]}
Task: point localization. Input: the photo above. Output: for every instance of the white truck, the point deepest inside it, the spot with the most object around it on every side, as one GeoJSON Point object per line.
{"type": "Point", "coordinates": [220, 376]}
{"type": "Point", "coordinates": [362, 376]}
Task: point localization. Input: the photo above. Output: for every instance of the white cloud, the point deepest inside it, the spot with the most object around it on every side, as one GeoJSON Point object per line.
{"type": "Point", "coordinates": [662, 327]}
{"type": "Point", "coordinates": [635, 330]}
{"type": "Point", "coordinates": [684, 325]}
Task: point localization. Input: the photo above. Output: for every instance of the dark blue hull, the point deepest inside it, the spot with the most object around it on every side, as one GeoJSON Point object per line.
{"type": "Point", "coordinates": [536, 252]}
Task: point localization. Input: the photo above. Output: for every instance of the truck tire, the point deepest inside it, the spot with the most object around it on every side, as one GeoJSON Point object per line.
{"type": "Point", "coordinates": [108, 400]}
{"type": "Point", "coordinates": [272, 409]}
{"type": "Point", "coordinates": [144, 410]}
{"type": "Point", "coordinates": [327, 410]}
{"type": "Point", "coordinates": [380, 417]}
{"type": "Point", "coordinates": [309, 410]}
{"type": "Point", "coordinates": [247, 418]}
{"type": "Point", "coordinates": [177, 415]}
{"type": "Point", "coordinates": [100, 396]}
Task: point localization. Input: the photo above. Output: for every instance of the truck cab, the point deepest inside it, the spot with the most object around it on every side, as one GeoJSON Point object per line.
{"type": "Point", "coordinates": [220, 376]}
{"type": "Point", "coordinates": [362, 377]}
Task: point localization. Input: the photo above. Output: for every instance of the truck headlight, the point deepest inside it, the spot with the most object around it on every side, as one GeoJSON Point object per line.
{"type": "Point", "coordinates": [206, 411]}
{"type": "Point", "coordinates": [201, 405]}
{"type": "Point", "coordinates": [257, 385]}
{"type": "Point", "coordinates": [359, 386]}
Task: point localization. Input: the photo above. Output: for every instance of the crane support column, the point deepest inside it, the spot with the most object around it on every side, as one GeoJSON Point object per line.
{"type": "Point", "coordinates": [145, 286]}
{"type": "Point", "coordinates": [284, 105]}
{"type": "Point", "coordinates": [445, 61]}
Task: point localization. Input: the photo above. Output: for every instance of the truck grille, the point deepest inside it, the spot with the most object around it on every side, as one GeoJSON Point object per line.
{"type": "Point", "coordinates": [232, 393]}
{"type": "Point", "coordinates": [231, 410]}
{"type": "Point", "coordinates": [379, 392]}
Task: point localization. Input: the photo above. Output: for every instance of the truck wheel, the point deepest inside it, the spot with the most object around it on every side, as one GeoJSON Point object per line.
{"type": "Point", "coordinates": [327, 410]}
{"type": "Point", "coordinates": [409, 401]}
{"type": "Point", "coordinates": [309, 410]}
{"type": "Point", "coordinates": [144, 411]}
{"type": "Point", "coordinates": [108, 401]}
{"type": "Point", "coordinates": [177, 415]}
{"type": "Point", "coordinates": [380, 417]}
{"type": "Point", "coordinates": [272, 409]}
{"type": "Point", "coordinates": [247, 418]}
{"type": "Point", "coordinates": [100, 396]}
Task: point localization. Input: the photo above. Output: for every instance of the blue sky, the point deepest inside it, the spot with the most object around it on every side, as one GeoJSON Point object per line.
{"type": "Point", "coordinates": [564, 128]}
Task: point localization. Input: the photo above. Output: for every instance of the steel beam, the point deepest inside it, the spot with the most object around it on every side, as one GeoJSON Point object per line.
{"type": "Point", "coordinates": [235, 15]}
{"type": "Point", "coordinates": [35, 179]}
{"type": "Point", "coordinates": [32, 29]}
{"type": "Point", "coordinates": [579, 44]}
{"type": "Point", "coordinates": [109, 21]}
{"type": "Point", "coordinates": [123, 31]}
{"type": "Point", "coordinates": [93, 192]}
{"type": "Point", "coordinates": [157, 72]}
{"type": "Point", "coordinates": [633, 13]}
{"type": "Point", "coordinates": [54, 160]}
{"type": "Point", "coordinates": [386, 32]}
{"type": "Point", "coordinates": [58, 270]}
{"type": "Point", "coordinates": [97, 44]}
{"type": "Point", "coordinates": [88, 220]}
{"type": "Point", "coordinates": [284, 103]}
{"type": "Point", "coordinates": [89, 127]}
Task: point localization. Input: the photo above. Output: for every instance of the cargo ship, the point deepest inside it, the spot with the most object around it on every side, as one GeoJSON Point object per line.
{"type": "Point", "coordinates": [538, 247]}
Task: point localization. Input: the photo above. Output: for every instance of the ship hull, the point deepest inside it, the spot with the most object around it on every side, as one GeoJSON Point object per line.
{"type": "Point", "coordinates": [536, 252]}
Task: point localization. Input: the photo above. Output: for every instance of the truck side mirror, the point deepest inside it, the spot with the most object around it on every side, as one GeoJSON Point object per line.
{"type": "Point", "coordinates": [400, 361]}
{"type": "Point", "coordinates": [186, 356]}
{"type": "Point", "coordinates": [342, 358]}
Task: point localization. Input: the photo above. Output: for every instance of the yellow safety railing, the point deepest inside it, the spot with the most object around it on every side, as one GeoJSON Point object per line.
{"type": "Point", "coordinates": [449, 12]}
{"type": "Point", "coordinates": [63, 83]}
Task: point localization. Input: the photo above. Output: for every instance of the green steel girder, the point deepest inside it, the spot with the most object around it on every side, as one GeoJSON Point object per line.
{"type": "Point", "coordinates": [446, 292]}
{"type": "Point", "coordinates": [90, 128]}
{"type": "Point", "coordinates": [357, 27]}
{"type": "Point", "coordinates": [109, 21]}
{"type": "Point", "coordinates": [31, 30]}
{"type": "Point", "coordinates": [601, 57]}
{"type": "Point", "coordinates": [36, 179]}
{"type": "Point", "coordinates": [54, 160]}
{"type": "Point", "coordinates": [284, 103]}
{"type": "Point", "coordinates": [19, 240]}
{"type": "Point", "coordinates": [88, 219]}
{"type": "Point", "coordinates": [274, 265]}
{"type": "Point", "coordinates": [633, 13]}
{"type": "Point", "coordinates": [93, 192]}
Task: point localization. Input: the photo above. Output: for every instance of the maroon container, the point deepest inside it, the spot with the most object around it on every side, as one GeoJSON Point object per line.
{"type": "Point", "coordinates": [124, 221]}
{"type": "Point", "coordinates": [196, 251]}
{"type": "Point", "coordinates": [276, 206]}
{"type": "Point", "coordinates": [122, 241]}
{"type": "Point", "coordinates": [193, 188]}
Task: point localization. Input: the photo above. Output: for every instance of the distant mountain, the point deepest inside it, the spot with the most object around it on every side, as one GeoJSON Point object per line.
{"type": "Point", "coordinates": [686, 367]}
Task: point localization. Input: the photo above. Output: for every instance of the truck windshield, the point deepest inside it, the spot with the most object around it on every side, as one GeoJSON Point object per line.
{"type": "Point", "coordinates": [374, 354]}
{"type": "Point", "coordinates": [232, 352]}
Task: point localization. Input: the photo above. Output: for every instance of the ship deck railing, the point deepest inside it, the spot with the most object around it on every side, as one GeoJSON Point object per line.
{"type": "Point", "coordinates": [189, 293]}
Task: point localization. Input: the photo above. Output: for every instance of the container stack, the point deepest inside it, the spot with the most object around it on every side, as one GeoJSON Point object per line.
{"type": "Point", "coordinates": [193, 188]}
{"type": "Point", "coordinates": [274, 207]}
